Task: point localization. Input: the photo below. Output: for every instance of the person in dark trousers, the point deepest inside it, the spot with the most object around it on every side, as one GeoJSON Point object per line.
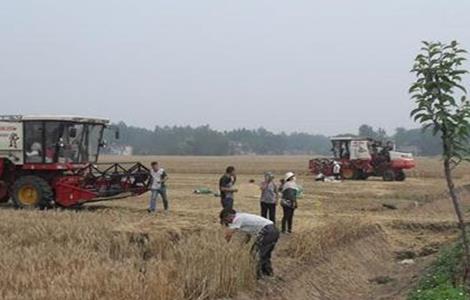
{"type": "Point", "coordinates": [269, 197]}
{"type": "Point", "coordinates": [289, 201]}
{"type": "Point", "coordinates": [226, 187]}
{"type": "Point", "coordinates": [337, 170]}
{"type": "Point", "coordinates": [262, 229]}
{"type": "Point", "coordinates": [158, 187]}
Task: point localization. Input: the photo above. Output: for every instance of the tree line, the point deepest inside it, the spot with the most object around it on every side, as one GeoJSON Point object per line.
{"type": "Point", "coordinates": [203, 140]}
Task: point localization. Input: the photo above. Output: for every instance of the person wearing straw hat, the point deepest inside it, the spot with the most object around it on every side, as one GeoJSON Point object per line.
{"type": "Point", "coordinates": [269, 197]}
{"type": "Point", "coordinates": [289, 201]}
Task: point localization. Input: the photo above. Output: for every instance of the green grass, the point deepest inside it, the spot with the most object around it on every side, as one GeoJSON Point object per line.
{"type": "Point", "coordinates": [443, 279]}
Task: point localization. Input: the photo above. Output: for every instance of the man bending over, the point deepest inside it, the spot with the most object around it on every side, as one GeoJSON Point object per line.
{"type": "Point", "coordinates": [263, 229]}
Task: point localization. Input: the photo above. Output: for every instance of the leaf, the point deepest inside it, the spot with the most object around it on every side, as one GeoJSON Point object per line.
{"type": "Point", "coordinates": [415, 111]}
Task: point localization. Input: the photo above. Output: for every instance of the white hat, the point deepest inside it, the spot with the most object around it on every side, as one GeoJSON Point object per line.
{"type": "Point", "coordinates": [288, 176]}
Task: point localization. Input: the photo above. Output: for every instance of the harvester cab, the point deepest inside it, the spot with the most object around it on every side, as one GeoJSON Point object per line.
{"type": "Point", "coordinates": [53, 160]}
{"type": "Point", "coordinates": [361, 158]}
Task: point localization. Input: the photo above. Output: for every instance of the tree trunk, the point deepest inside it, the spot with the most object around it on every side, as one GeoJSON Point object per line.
{"type": "Point", "coordinates": [460, 216]}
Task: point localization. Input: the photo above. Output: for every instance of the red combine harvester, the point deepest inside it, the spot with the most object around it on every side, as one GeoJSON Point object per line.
{"type": "Point", "coordinates": [52, 160]}
{"type": "Point", "coordinates": [361, 158]}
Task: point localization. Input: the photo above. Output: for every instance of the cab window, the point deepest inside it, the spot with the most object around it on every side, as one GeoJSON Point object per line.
{"type": "Point", "coordinates": [68, 142]}
{"type": "Point", "coordinates": [33, 139]}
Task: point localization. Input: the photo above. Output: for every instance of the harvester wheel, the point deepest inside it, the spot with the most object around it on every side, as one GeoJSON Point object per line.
{"type": "Point", "coordinates": [361, 175]}
{"type": "Point", "coordinates": [31, 191]}
{"type": "Point", "coordinates": [400, 175]}
{"type": "Point", "coordinates": [4, 195]}
{"type": "Point", "coordinates": [349, 174]}
{"type": "Point", "coordinates": [388, 175]}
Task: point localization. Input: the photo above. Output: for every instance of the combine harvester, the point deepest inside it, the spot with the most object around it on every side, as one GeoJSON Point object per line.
{"type": "Point", "coordinates": [50, 161]}
{"type": "Point", "coordinates": [361, 158]}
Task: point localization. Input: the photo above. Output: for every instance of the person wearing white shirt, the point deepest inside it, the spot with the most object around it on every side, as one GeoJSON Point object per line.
{"type": "Point", "coordinates": [158, 187]}
{"type": "Point", "coordinates": [337, 170]}
{"type": "Point", "coordinates": [263, 229]}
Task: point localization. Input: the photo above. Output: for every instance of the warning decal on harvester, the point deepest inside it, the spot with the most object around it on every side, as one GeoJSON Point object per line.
{"type": "Point", "coordinates": [11, 141]}
{"type": "Point", "coordinates": [11, 136]}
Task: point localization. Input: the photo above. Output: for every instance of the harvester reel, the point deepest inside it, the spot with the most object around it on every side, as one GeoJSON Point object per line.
{"type": "Point", "coordinates": [115, 179]}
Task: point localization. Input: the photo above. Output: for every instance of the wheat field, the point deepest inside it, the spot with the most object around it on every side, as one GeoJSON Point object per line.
{"type": "Point", "coordinates": [343, 236]}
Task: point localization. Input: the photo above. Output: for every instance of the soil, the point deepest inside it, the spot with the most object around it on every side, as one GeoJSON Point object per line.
{"type": "Point", "coordinates": [368, 268]}
{"type": "Point", "coordinates": [414, 220]}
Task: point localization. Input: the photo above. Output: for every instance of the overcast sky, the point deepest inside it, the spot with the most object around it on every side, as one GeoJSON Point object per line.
{"type": "Point", "coordinates": [297, 65]}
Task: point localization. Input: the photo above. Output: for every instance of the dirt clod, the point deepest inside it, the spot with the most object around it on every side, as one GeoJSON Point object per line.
{"type": "Point", "coordinates": [405, 254]}
{"type": "Point", "coordinates": [381, 280]}
{"type": "Point", "coordinates": [428, 250]}
{"type": "Point", "coordinates": [389, 206]}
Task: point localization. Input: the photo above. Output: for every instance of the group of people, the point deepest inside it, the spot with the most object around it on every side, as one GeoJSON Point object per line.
{"type": "Point", "coordinates": [270, 195]}
{"type": "Point", "coordinates": [262, 227]}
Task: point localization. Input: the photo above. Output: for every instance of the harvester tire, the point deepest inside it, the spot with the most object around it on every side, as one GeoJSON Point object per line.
{"type": "Point", "coordinates": [349, 174]}
{"type": "Point", "coordinates": [400, 175]}
{"type": "Point", "coordinates": [4, 195]}
{"type": "Point", "coordinates": [32, 192]}
{"type": "Point", "coordinates": [361, 175]}
{"type": "Point", "coordinates": [388, 175]}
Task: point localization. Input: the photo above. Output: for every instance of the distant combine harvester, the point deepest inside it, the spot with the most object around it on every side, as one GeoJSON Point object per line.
{"type": "Point", "coordinates": [361, 158]}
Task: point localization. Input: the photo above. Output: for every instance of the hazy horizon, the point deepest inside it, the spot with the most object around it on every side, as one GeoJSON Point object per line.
{"type": "Point", "coordinates": [305, 66]}
{"type": "Point", "coordinates": [352, 131]}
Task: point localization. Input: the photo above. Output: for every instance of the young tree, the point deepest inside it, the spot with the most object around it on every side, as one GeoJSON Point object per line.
{"type": "Point", "coordinates": [442, 106]}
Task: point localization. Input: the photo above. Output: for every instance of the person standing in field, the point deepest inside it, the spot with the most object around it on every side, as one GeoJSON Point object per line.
{"type": "Point", "coordinates": [337, 170]}
{"type": "Point", "coordinates": [158, 187]}
{"type": "Point", "coordinates": [263, 229]}
{"type": "Point", "coordinates": [289, 201]}
{"type": "Point", "coordinates": [269, 197]}
{"type": "Point", "coordinates": [226, 187]}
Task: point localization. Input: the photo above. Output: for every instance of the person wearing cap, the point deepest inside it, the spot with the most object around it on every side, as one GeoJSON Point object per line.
{"type": "Point", "coordinates": [289, 201]}
{"type": "Point", "coordinates": [269, 197]}
{"type": "Point", "coordinates": [263, 229]}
